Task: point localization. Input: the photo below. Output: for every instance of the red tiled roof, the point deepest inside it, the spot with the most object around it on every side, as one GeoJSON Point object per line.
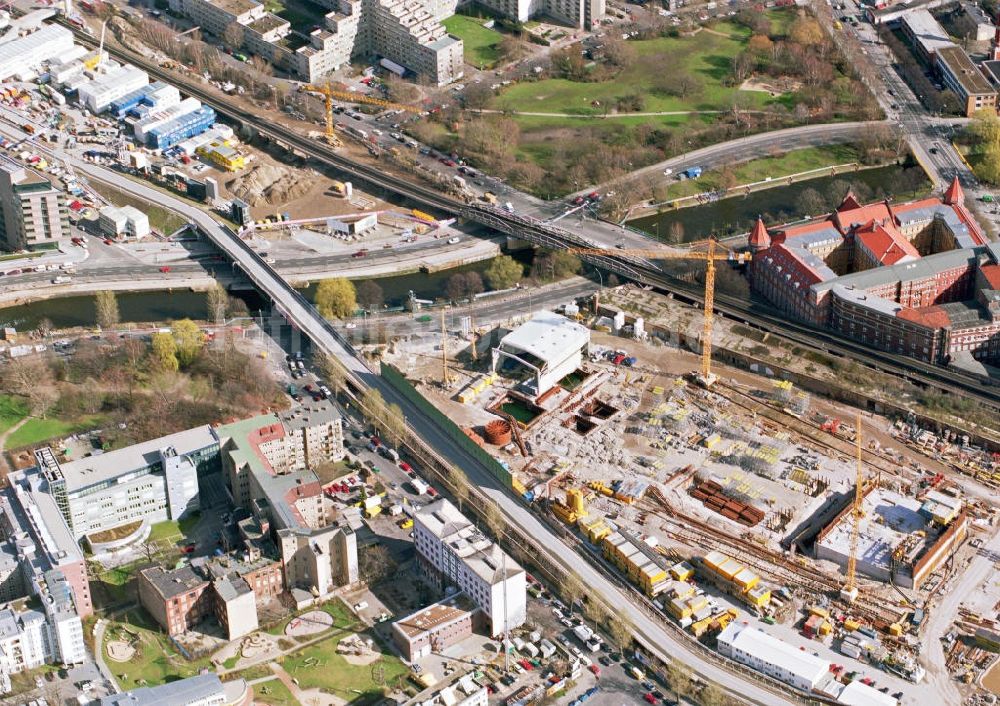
{"type": "Point", "coordinates": [792, 268]}
{"type": "Point", "coordinates": [954, 194]}
{"type": "Point", "coordinates": [849, 203]}
{"type": "Point", "coordinates": [886, 246]}
{"type": "Point", "coordinates": [929, 316]}
{"type": "Point", "coordinates": [759, 237]}
{"type": "Point", "coordinates": [877, 212]}
{"type": "Point", "coordinates": [992, 275]}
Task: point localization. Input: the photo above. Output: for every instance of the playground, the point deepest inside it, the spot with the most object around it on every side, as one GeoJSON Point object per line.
{"type": "Point", "coordinates": [311, 623]}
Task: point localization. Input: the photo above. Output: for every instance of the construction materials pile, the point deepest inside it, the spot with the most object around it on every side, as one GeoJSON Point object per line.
{"type": "Point", "coordinates": [268, 185]}
{"type": "Point", "coordinates": [713, 497]}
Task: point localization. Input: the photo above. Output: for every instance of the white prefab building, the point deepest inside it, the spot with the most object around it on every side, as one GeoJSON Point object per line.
{"type": "Point", "coordinates": [23, 57]}
{"type": "Point", "coordinates": [457, 553]}
{"type": "Point", "coordinates": [857, 693]}
{"type": "Point", "coordinates": [103, 90]}
{"type": "Point", "coordinates": [775, 658]}
{"type": "Point", "coordinates": [154, 120]}
{"type": "Point", "coordinates": [126, 220]}
{"type": "Point", "coordinates": [542, 351]}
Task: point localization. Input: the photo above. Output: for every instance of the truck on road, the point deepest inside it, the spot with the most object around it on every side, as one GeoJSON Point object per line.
{"type": "Point", "coordinates": [690, 173]}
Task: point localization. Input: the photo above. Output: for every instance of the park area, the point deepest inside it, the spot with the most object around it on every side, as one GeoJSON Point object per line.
{"type": "Point", "coordinates": [773, 167]}
{"type": "Point", "coordinates": [479, 43]}
{"type": "Point", "coordinates": [138, 653]}
{"type": "Point", "coordinates": [599, 112]}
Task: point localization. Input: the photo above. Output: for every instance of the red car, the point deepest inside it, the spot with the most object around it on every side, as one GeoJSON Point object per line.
{"type": "Point", "coordinates": [650, 698]}
{"type": "Point", "coordinates": [526, 664]}
{"type": "Point", "coordinates": [595, 669]}
{"type": "Point", "coordinates": [448, 162]}
{"type": "Point", "coordinates": [405, 467]}
{"type": "Point", "coordinates": [189, 548]}
{"type": "Point", "coordinates": [578, 201]}
{"type": "Point", "coordinates": [360, 253]}
{"type": "Point", "coordinates": [617, 360]}
{"type": "Point", "coordinates": [307, 388]}
{"type": "Point", "coordinates": [165, 269]}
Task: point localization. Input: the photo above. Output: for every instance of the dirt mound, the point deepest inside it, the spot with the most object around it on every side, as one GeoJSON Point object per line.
{"type": "Point", "coordinates": [126, 34]}
{"type": "Point", "coordinates": [268, 185]}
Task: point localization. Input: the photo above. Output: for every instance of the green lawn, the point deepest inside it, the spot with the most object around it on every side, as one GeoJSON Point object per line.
{"type": "Point", "coordinates": [156, 660]}
{"type": "Point", "coordinates": [759, 169]}
{"type": "Point", "coordinates": [705, 56]}
{"type": "Point", "coordinates": [174, 530]}
{"type": "Point", "coordinates": [161, 219]}
{"type": "Point", "coordinates": [12, 410]}
{"type": "Point", "coordinates": [273, 692]}
{"type": "Point", "coordinates": [35, 431]}
{"type": "Point", "coordinates": [479, 43]}
{"type": "Point", "coordinates": [20, 256]}
{"type": "Point", "coordinates": [319, 666]}
{"type": "Point", "coordinates": [342, 617]}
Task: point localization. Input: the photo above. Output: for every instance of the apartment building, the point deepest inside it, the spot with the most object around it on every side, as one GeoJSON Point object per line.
{"type": "Point", "coordinates": [127, 221]}
{"type": "Point", "coordinates": [151, 482]}
{"type": "Point", "coordinates": [34, 211]}
{"type": "Point", "coordinates": [266, 462]}
{"type": "Point", "coordinates": [405, 32]}
{"type": "Point", "coordinates": [24, 640]}
{"type": "Point", "coordinates": [39, 559]}
{"type": "Point", "coordinates": [454, 552]}
{"type": "Point", "coordinates": [227, 588]}
{"type": "Point", "coordinates": [584, 14]}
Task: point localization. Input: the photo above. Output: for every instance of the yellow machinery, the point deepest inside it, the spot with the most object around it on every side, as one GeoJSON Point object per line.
{"type": "Point", "coordinates": [330, 93]}
{"type": "Point", "coordinates": [710, 257]}
{"type": "Point", "coordinates": [573, 509]}
{"type": "Point", "coordinates": [849, 592]}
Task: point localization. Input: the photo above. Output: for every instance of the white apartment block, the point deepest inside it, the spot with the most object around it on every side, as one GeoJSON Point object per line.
{"type": "Point", "coordinates": [407, 32]}
{"type": "Point", "coordinates": [153, 481]}
{"type": "Point", "coordinates": [129, 221]}
{"type": "Point", "coordinates": [25, 642]}
{"type": "Point", "coordinates": [584, 14]}
{"type": "Point", "coordinates": [32, 210]}
{"type": "Point", "coordinates": [460, 555]}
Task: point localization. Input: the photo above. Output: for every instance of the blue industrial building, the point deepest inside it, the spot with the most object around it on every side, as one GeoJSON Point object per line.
{"type": "Point", "coordinates": [150, 97]}
{"type": "Point", "coordinates": [181, 128]}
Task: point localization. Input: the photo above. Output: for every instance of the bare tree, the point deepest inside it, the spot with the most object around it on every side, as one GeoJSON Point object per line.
{"type": "Point", "coordinates": [375, 564]}
{"type": "Point", "coordinates": [232, 36]}
{"type": "Point", "coordinates": [459, 485]}
{"type": "Point", "coordinates": [620, 629]}
{"type": "Point", "coordinates": [216, 301]}
{"type": "Point", "coordinates": [495, 521]}
{"type": "Point", "coordinates": [332, 370]}
{"type": "Point", "coordinates": [572, 590]}
{"type": "Point", "coordinates": [106, 306]}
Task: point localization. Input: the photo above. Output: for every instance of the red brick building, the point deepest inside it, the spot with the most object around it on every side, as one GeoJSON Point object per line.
{"type": "Point", "coordinates": [918, 279]}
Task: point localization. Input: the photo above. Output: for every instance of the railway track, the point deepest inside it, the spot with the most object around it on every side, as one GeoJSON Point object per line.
{"type": "Point", "coordinates": [763, 560]}
{"type": "Point", "coordinates": [922, 374]}
{"type": "Point", "coordinates": [813, 432]}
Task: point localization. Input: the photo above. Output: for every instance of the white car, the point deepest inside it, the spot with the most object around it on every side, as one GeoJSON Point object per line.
{"type": "Point", "coordinates": [668, 171]}
{"type": "Point", "coordinates": [453, 241]}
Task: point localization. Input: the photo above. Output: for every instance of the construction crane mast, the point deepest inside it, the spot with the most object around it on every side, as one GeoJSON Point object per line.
{"type": "Point", "coordinates": [710, 256]}
{"type": "Point", "coordinates": [849, 592]}
{"type": "Point", "coordinates": [329, 93]}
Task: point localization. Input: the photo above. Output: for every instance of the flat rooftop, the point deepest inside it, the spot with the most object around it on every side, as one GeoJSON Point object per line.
{"type": "Point", "coordinates": [961, 66]}
{"type": "Point", "coordinates": [98, 469]}
{"type": "Point", "coordinates": [268, 22]}
{"type": "Point", "coordinates": [234, 7]}
{"type": "Point", "coordinates": [434, 616]}
{"type": "Point", "coordinates": [479, 554]}
{"type": "Point", "coordinates": [889, 519]}
{"type": "Point", "coordinates": [547, 336]}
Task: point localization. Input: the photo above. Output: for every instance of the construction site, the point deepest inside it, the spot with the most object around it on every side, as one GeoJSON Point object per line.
{"type": "Point", "coordinates": [728, 496]}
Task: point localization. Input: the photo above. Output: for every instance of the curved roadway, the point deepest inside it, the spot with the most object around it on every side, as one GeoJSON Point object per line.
{"type": "Point", "coordinates": [301, 314]}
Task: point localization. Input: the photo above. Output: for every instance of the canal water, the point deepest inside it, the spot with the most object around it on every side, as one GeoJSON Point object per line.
{"type": "Point", "coordinates": [736, 215]}
{"type": "Point", "coordinates": [136, 307]}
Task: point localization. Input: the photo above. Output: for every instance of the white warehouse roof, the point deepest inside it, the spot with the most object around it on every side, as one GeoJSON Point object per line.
{"type": "Point", "coordinates": [548, 336]}
{"type": "Point", "coordinates": [30, 51]}
{"type": "Point", "coordinates": [858, 694]}
{"type": "Point", "coordinates": [771, 650]}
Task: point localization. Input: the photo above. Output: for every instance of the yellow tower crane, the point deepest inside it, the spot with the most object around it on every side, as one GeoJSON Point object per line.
{"type": "Point", "coordinates": [849, 592]}
{"type": "Point", "coordinates": [709, 257]}
{"type": "Point", "coordinates": [329, 93]}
